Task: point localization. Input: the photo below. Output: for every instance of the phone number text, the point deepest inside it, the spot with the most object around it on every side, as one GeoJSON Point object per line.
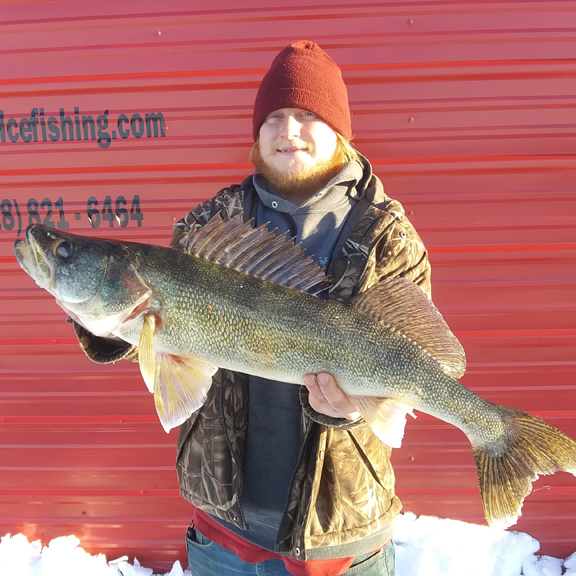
{"type": "Point", "coordinates": [110, 212]}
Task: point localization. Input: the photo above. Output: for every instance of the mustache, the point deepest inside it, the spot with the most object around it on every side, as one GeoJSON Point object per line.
{"type": "Point", "coordinates": [300, 145]}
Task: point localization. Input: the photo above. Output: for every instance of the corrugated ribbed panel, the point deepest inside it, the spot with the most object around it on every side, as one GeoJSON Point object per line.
{"type": "Point", "coordinates": [466, 110]}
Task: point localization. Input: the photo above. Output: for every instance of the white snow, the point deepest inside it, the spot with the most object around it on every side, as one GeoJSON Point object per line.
{"type": "Point", "coordinates": [425, 546]}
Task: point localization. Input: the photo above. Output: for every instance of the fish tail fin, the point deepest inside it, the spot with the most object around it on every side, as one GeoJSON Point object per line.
{"type": "Point", "coordinates": [506, 470]}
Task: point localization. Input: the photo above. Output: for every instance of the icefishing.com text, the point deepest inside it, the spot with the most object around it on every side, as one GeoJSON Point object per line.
{"type": "Point", "coordinates": [77, 127]}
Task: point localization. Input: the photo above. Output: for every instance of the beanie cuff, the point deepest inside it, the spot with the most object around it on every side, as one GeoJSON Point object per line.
{"type": "Point", "coordinates": [327, 110]}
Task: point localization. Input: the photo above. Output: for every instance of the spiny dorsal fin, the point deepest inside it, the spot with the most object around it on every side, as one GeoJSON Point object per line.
{"type": "Point", "coordinates": [403, 307]}
{"type": "Point", "coordinates": [258, 252]}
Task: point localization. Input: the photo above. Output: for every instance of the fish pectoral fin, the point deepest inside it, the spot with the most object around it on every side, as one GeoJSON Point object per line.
{"type": "Point", "coordinates": [179, 383]}
{"type": "Point", "coordinates": [146, 355]}
{"type": "Point", "coordinates": [386, 417]}
{"type": "Point", "coordinates": [180, 387]}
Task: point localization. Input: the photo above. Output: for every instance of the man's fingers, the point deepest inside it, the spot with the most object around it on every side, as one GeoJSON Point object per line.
{"type": "Point", "coordinates": [334, 396]}
{"type": "Point", "coordinates": [315, 394]}
{"type": "Point", "coordinates": [325, 396]}
{"type": "Point", "coordinates": [310, 380]}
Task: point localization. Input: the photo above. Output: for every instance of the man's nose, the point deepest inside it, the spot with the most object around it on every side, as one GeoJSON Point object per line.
{"type": "Point", "coordinates": [291, 128]}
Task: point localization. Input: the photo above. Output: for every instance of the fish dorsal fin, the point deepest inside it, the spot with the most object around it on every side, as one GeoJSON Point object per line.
{"type": "Point", "coordinates": [403, 307]}
{"type": "Point", "coordinates": [258, 252]}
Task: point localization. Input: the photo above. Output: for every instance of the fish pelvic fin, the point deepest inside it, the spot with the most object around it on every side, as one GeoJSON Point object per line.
{"type": "Point", "coordinates": [386, 417]}
{"type": "Point", "coordinates": [530, 448]}
{"type": "Point", "coordinates": [179, 383]}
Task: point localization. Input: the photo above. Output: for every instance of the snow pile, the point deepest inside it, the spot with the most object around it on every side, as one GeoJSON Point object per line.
{"type": "Point", "coordinates": [425, 546]}
{"type": "Point", "coordinates": [64, 557]}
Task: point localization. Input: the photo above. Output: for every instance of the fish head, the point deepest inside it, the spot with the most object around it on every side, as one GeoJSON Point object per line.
{"type": "Point", "coordinates": [69, 268]}
{"type": "Point", "coordinates": [97, 282]}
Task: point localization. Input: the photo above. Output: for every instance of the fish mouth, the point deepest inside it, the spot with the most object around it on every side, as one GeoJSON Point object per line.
{"type": "Point", "coordinates": [30, 254]}
{"type": "Point", "coordinates": [22, 253]}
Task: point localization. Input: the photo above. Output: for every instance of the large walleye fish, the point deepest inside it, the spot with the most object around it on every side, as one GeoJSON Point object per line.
{"type": "Point", "coordinates": [244, 299]}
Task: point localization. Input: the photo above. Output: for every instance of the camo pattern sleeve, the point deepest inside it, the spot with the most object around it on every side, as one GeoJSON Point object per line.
{"type": "Point", "coordinates": [383, 244]}
{"type": "Point", "coordinates": [324, 419]}
{"type": "Point", "coordinates": [401, 252]}
{"type": "Point", "coordinates": [228, 202]}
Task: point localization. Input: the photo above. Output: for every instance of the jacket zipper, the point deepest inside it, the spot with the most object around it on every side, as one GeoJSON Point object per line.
{"type": "Point", "coordinates": [291, 485]}
{"type": "Point", "coordinates": [362, 276]}
{"type": "Point", "coordinates": [375, 243]}
{"type": "Point", "coordinates": [234, 461]}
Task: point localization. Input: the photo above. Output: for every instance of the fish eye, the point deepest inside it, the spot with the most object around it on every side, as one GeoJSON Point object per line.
{"type": "Point", "coordinates": [62, 249]}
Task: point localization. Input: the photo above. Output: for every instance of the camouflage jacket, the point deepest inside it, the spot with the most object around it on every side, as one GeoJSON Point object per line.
{"type": "Point", "coordinates": [343, 488]}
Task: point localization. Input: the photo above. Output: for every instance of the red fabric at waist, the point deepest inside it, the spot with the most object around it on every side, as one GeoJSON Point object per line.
{"type": "Point", "coordinates": [249, 552]}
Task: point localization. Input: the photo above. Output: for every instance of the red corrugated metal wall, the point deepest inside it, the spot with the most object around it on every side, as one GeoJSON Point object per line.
{"type": "Point", "coordinates": [466, 110]}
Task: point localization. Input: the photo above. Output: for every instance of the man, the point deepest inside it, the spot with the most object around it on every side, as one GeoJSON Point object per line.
{"type": "Point", "coordinates": [299, 475]}
{"type": "Point", "coordinates": [287, 479]}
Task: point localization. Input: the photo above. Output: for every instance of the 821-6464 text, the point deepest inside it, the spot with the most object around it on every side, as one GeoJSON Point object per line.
{"type": "Point", "coordinates": [111, 212]}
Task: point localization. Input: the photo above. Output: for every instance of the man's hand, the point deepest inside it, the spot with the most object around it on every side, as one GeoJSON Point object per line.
{"type": "Point", "coordinates": [327, 398]}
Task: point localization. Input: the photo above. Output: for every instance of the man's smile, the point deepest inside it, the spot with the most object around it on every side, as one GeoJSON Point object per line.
{"type": "Point", "coordinates": [292, 149]}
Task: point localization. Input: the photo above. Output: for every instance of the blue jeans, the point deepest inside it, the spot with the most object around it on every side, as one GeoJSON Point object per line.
{"type": "Point", "coordinates": [207, 558]}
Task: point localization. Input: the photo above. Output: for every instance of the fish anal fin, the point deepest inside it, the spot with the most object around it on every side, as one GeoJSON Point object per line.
{"type": "Point", "coordinates": [180, 387]}
{"type": "Point", "coordinates": [506, 469]}
{"type": "Point", "coordinates": [258, 252]}
{"type": "Point", "coordinates": [401, 305]}
{"type": "Point", "coordinates": [386, 417]}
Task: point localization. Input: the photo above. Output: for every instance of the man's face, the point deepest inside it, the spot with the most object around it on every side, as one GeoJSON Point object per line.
{"type": "Point", "coordinates": [295, 140]}
{"type": "Point", "coordinates": [296, 151]}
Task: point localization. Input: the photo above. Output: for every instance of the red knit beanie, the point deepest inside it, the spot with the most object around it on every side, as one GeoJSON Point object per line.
{"type": "Point", "coordinates": [304, 76]}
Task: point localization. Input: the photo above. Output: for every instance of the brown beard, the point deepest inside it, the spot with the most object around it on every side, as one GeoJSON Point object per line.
{"type": "Point", "coordinates": [299, 186]}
